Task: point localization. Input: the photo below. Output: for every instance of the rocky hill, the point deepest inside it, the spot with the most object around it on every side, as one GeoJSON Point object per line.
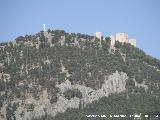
{"type": "Point", "coordinates": [65, 76]}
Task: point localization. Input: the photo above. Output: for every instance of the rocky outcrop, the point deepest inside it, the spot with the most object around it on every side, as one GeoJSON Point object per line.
{"type": "Point", "coordinates": [114, 84]}
{"type": "Point", "coordinates": [143, 84]}
{"type": "Point", "coordinates": [48, 36]}
{"type": "Point", "coordinates": [64, 86]}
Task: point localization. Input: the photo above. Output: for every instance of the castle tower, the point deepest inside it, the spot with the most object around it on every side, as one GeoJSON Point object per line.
{"type": "Point", "coordinates": [112, 41]}
{"type": "Point", "coordinates": [98, 35]}
{"type": "Point", "coordinates": [122, 37]}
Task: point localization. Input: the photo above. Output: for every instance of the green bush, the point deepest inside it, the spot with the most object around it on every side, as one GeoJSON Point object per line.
{"type": "Point", "coordinates": [130, 83]}
{"type": "Point", "coordinates": [139, 78]}
{"type": "Point", "coordinates": [72, 93]}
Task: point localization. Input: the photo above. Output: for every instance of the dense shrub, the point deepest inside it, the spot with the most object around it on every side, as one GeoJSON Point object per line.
{"type": "Point", "coordinates": [72, 93]}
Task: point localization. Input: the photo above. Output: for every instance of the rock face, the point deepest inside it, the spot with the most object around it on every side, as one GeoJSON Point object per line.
{"type": "Point", "coordinates": [64, 86]}
{"type": "Point", "coordinates": [48, 36]}
{"type": "Point", "coordinates": [62, 104]}
{"type": "Point", "coordinates": [114, 84]}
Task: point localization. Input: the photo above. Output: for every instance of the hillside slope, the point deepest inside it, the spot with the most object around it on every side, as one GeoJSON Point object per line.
{"type": "Point", "coordinates": [47, 73]}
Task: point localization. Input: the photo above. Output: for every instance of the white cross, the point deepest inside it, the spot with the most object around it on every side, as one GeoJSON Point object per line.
{"type": "Point", "coordinates": [44, 27]}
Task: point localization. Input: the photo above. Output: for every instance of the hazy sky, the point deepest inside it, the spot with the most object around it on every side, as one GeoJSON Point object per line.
{"type": "Point", "coordinates": [139, 18]}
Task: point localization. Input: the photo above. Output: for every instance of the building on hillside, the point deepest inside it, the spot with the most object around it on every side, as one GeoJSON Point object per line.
{"type": "Point", "coordinates": [122, 37]}
{"type": "Point", "coordinates": [112, 42]}
{"type": "Point", "coordinates": [98, 35]}
{"type": "Point", "coordinates": [132, 42]}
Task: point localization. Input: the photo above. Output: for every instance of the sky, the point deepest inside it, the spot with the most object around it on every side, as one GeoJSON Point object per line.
{"type": "Point", "coordinates": [139, 18]}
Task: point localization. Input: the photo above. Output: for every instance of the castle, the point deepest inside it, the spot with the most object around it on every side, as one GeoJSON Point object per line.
{"type": "Point", "coordinates": [121, 37]}
{"type": "Point", "coordinates": [98, 35]}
